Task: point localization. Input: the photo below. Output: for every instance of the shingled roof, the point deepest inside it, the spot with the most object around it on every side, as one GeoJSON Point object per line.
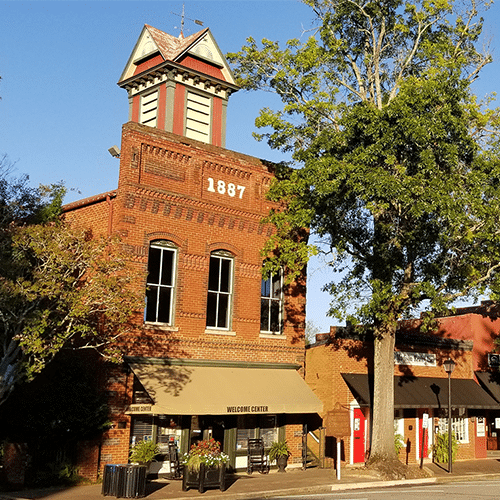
{"type": "Point", "coordinates": [172, 47]}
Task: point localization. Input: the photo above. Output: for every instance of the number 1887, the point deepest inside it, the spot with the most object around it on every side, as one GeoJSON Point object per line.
{"type": "Point", "coordinates": [221, 187]}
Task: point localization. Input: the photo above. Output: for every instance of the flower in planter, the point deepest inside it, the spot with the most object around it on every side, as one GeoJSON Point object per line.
{"type": "Point", "coordinates": [207, 452]}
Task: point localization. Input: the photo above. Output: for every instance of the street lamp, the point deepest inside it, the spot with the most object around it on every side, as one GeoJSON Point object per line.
{"type": "Point", "coordinates": [449, 366]}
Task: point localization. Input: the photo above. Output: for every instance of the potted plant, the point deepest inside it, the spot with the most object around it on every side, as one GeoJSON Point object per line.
{"type": "Point", "coordinates": [204, 466]}
{"type": "Point", "coordinates": [143, 452]}
{"type": "Point", "coordinates": [279, 452]}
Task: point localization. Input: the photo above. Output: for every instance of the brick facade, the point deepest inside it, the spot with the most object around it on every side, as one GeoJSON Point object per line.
{"type": "Point", "coordinates": [199, 198]}
{"type": "Point", "coordinates": [340, 353]}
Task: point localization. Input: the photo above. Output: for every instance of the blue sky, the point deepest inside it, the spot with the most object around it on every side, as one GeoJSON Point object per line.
{"type": "Point", "coordinates": [60, 107]}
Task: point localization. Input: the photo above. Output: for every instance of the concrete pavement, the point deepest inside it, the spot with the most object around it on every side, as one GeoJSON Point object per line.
{"type": "Point", "coordinates": [259, 486]}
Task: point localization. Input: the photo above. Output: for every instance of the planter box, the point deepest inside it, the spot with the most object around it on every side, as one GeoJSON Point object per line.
{"type": "Point", "coordinates": [206, 477]}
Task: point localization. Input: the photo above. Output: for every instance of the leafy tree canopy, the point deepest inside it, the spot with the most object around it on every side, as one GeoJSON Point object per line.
{"type": "Point", "coordinates": [60, 287]}
{"type": "Point", "coordinates": [396, 167]}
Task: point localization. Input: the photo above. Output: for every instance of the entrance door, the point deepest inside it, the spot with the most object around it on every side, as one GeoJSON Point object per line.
{"type": "Point", "coordinates": [358, 436]}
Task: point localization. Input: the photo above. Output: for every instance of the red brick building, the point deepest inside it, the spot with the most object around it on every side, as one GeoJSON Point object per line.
{"type": "Point", "coordinates": [481, 326]}
{"type": "Point", "coordinates": [220, 352]}
{"type": "Point", "coordinates": [339, 369]}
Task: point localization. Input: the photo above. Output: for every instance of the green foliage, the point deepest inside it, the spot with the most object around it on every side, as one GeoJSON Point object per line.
{"type": "Point", "coordinates": [57, 473]}
{"type": "Point", "coordinates": [60, 288]}
{"type": "Point", "coordinates": [144, 452]}
{"type": "Point", "coordinates": [396, 166]}
{"type": "Point", "coordinates": [440, 449]}
{"type": "Point", "coordinates": [278, 449]}
{"type": "Point", "coordinates": [398, 442]}
{"type": "Point", "coordinates": [22, 203]}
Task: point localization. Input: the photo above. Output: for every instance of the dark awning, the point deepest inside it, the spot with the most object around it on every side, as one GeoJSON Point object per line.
{"type": "Point", "coordinates": [190, 388]}
{"type": "Point", "coordinates": [490, 382]}
{"type": "Point", "coordinates": [423, 392]}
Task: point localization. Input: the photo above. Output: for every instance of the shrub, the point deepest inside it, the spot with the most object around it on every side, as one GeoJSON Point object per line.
{"type": "Point", "coordinates": [278, 449]}
{"type": "Point", "coordinates": [440, 448]}
{"type": "Point", "coordinates": [144, 452]}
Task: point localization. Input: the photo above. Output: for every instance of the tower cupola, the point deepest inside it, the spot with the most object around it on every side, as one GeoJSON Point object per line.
{"type": "Point", "coordinates": [181, 85]}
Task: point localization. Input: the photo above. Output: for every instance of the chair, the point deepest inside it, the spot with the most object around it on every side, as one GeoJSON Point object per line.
{"type": "Point", "coordinates": [256, 457]}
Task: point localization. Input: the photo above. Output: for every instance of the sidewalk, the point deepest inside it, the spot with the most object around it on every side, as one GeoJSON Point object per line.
{"type": "Point", "coordinates": [257, 486]}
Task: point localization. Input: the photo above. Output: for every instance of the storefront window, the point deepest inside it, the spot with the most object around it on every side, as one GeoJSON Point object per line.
{"type": "Point", "coordinates": [142, 429]}
{"type": "Point", "coordinates": [256, 426]}
{"type": "Point", "coordinates": [168, 431]}
{"type": "Point", "coordinates": [162, 429]}
{"type": "Point", "coordinates": [459, 426]}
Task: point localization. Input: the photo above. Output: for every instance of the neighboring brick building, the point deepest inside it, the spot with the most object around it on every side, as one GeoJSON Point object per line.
{"type": "Point", "coordinates": [222, 350]}
{"type": "Point", "coordinates": [339, 369]}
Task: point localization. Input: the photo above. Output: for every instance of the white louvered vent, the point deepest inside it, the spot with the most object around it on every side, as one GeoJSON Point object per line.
{"type": "Point", "coordinates": [198, 117]}
{"type": "Point", "coordinates": [149, 108]}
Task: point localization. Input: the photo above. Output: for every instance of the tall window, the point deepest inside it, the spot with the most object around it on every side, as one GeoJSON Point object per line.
{"type": "Point", "coordinates": [271, 304]}
{"type": "Point", "coordinates": [149, 108]}
{"type": "Point", "coordinates": [220, 289]}
{"type": "Point", "coordinates": [160, 284]}
{"type": "Point", "coordinates": [256, 426]}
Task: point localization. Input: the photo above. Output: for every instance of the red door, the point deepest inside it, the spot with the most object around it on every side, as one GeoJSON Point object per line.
{"type": "Point", "coordinates": [358, 436]}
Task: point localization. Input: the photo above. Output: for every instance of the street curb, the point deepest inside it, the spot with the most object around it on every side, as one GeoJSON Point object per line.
{"type": "Point", "coordinates": [329, 488]}
{"type": "Point", "coordinates": [324, 488]}
{"type": "Point", "coordinates": [318, 489]}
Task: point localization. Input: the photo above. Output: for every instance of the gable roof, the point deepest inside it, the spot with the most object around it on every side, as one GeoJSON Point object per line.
{"type": "Point", "coordinates": [168, 48]}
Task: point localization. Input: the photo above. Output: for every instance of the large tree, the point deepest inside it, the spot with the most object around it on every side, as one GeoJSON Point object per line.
{"type": "Point", "coordinates": [395, 164]}
{"type": "Point", "coordinates": [60, 287]}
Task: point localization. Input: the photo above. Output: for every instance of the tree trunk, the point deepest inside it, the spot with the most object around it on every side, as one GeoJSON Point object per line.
{"type": "Point", "coordinates": [382, 442]}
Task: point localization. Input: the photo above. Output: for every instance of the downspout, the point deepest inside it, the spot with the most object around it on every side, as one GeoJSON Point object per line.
{"type": "Point", "coordinates": [109, 201]}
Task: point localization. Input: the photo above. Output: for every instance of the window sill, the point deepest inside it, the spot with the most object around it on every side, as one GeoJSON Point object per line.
{"type": "Point", "coordinates": [220, 332]}
{"type": "Point", "coordinates": [161, 326]}
{"type": "Point", "coordinates": [272, 336]}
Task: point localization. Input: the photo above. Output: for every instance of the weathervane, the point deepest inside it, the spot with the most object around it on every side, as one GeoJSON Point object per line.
{"type": "Point", "coordinates": [182, 16]}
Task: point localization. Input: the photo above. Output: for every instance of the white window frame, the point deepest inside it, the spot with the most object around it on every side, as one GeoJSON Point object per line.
{"type": "Point", "coordinates": [222, 292]}
{"type": "Point", "coordinates": [268, 301]}
{"type": "Point", "coordinates": [164, 246]}
{"type": "Point", "coordinates": [459, 427]}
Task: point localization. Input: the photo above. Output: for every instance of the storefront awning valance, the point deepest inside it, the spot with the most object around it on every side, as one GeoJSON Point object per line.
{"type": "Point", "coordinates": [423, 392]}
{"type": "Point", "coordinates": [185, 389]}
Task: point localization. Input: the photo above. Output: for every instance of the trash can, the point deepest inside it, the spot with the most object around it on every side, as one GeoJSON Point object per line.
{"type": "Point", "coordinates": [124, 481]}
{"type": "Point", "coordinates": [131, 481]}
{"type": "Point", "coordinates": [110, 480]}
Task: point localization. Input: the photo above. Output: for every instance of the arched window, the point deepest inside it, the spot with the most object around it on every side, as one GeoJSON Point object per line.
{"type": "Point", "coordinates": [160, 284]}
{"type": "Point", "coordinates": [271, 304]}
{"type": "Point", "coordinates": [220, 290]}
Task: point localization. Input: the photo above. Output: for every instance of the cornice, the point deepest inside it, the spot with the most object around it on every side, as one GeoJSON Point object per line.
{"type": "Point", "coordinates": [169, 70]}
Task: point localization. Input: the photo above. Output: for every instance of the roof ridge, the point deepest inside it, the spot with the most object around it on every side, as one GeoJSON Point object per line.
{"type": "Point", "coordinates": [170, 46]}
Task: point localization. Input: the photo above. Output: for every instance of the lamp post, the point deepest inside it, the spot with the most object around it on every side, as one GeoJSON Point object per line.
{"type": "Point", "coordinates": [449, 366]}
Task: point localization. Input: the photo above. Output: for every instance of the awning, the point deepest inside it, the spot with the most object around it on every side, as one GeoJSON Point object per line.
{"type": "Point", "coordinates": [423, 392]}
{"type": "Point", "coordinates": [490, 382]}
{"type": "Point", "coordinates": [187, 389]}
